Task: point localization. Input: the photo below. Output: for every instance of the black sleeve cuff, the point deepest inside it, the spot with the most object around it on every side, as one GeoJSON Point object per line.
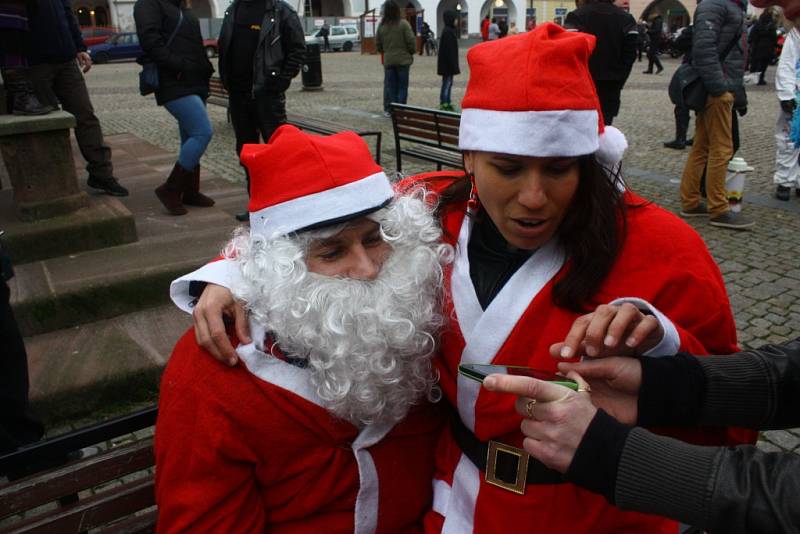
{"type": "Point", "coordinates": [595, 463]}
{"type": "Point", "coordinates": [196, 288]}
{"type": "Point", "coordinates": [672, 391]}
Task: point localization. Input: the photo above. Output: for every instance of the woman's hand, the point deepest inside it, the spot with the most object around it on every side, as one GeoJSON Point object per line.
{"type": "Point", "coordinates": [555, 418]}
{"type": "Point", "coordinates": [615, 384]}
{"type": "Point", "coordinates": [610, 330]}
{"type": "Point", "coordinates": [209, 327]}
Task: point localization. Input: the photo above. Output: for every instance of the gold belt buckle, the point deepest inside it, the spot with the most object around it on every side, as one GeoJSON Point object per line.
{"type": "Point", "coordinates": [522, 467]}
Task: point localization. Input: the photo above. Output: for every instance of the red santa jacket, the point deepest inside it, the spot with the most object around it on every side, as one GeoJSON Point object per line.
{"type": "Point", "coordinates": [663, 261]}
{"type": "Point", "coordinates": [250, 449]}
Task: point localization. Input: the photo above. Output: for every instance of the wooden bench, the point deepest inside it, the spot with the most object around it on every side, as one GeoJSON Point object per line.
{"type": "Point", "coordinates": [218, 96]}
{"type": "Point", "coordinates": [426, 134]}
{"type": "Point", "coordinates": [111, 491]}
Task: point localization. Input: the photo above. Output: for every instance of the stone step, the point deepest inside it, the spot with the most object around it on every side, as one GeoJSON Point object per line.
{"type": "Point", "coordinates": [101, 366]}
{"type": "Point", "coordinates": [89, 286]}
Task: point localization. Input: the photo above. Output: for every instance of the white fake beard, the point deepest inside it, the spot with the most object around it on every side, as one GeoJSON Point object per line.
{"type": "Point", "coordinates": [368, 344]}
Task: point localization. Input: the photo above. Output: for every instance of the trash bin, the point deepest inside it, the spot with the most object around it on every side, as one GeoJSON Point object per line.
{"type": "Point", "coordinates": [312, 69]}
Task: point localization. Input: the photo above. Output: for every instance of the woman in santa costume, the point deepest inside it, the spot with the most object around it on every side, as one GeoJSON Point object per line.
{"type": "Point", "coordinates": [544, 232]}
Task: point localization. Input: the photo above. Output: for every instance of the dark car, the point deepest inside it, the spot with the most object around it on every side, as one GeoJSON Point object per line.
{"type": "Point", "coordinates": [119, 46]}
{"type": "Point", "coordinates": [93, 35]}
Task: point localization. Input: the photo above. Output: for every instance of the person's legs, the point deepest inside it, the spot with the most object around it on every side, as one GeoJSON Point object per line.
{"type": "Point", "coordinates": [650, 56]}
{"type": "Point", "coordinates": [695, 164]}
{"type": "Point", "coordinates": [271, 112]}
{"type": "Point", "coordinates": [244, 119]}
{"type": "Point", "coordinates": [69, 87]}
{"type": "Point", "coordinates": [390, 87]}
{"type": "Point", "coordinates": [763, 73]}
{"type": "Point", "coordinates": [718, 121]}
{"type": "Point", "coordinates": [190, 112]}
{"type": "Point", "coordinates": [681, 126]}
{"type": "Point", "coordinates": [657, 62]}
{"type": "Point", "coordinates": [787, 170]}
{"type": "Point", "coordinates": [402, 83]}
{"type": "Point", "coordinates": [445, 93]}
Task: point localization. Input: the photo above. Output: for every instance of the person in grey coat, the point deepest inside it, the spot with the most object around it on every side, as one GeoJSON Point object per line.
{"type": "Point", "coordinates": [720, 489]}
{"type": "Point", "coordinates": [718, 26]}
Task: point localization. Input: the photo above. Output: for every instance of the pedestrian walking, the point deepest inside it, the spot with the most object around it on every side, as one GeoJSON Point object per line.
{"type": "Point", "coordinates": [325, 33]}
{"type": "Point", "coordinates": [762, 41]}
{"type": "Point", "coordinates": [447, 63]}
{"type": "Point", "coordinates": [615, 49]}
{"type": "Point", "coordinates": [395, 40]}
{"type": "Point", "coordinates": [485, 28]}
{"type": "Point", "coordinates": [169, 33]}
{"type": "Point", "coordinates": [718, 56]}
{"type": "Point", "coordinates": [58, 60]}
{"type": "Point", "coordinates": [654, 37]}
{"type": "Point", "coordinates": [684, 44]}
{"type": "Point", "coordinates": [787, 86]}
{"type": "Point", "coordinates": [641, 42]}
{"type": "Point", "coordinates": [261, 48]}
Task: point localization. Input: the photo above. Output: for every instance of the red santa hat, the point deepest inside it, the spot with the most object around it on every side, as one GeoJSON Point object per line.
{"type": "Point", "coordinates": [300, 181]}
{"type": "Point", "coordinates": [531, 94]}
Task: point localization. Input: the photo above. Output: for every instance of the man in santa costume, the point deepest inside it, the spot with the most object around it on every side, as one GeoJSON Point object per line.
{"type": "Point", "coordinates": [330, 424]}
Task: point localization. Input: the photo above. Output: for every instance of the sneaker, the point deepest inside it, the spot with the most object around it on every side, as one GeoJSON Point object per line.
{"type": "Point", "coordinates": [698, 211]}
{"type": "Point", "coordinates": [109, 185]}
{"type": "Point", "coordinates": [783, 192]}
{"type": "Point", "coordinates": [729, 219]}
{"type": "Point", "coordinates": [659, 71]}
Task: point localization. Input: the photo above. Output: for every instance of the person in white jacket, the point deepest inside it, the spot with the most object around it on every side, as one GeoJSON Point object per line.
{"type": "Point", "coordinates": [787, 170]}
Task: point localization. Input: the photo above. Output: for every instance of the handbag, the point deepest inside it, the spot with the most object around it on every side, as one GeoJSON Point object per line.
{"type": "Point", "coordinates": [148, 77]}
{"type": "Point", "coordinates": [686, 89]}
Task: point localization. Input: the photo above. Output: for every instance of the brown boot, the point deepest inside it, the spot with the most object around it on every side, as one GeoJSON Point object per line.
{"type": "Point", "coordinates": [171, 191]}
{"type": "Point", "coordinates": [192, 195]}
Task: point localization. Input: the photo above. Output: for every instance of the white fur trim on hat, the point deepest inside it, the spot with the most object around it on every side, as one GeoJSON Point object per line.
{"type": "Point", "coordinates": [329, 205]}
{"type": "Point", "coordinates": [530, 133]}
{"type": "Point", "coordinates": [612, 146]}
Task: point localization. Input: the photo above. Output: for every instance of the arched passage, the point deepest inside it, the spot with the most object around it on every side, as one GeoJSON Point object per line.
{"type": "Point", "coordinates": [673, 12]}
{"type": "Point", "coordinates": [499, 9]}
{"type": "Point", "coordinates": [461, 8]}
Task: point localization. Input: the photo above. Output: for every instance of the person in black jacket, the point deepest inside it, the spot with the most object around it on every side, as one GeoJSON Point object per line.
{"type": "Point", "coordinates": [614, 53]}
{"type": "Point", "coordinates": [261, 48]}
{"type": "Point", "coordinates": [183, 72]}
{"type": "Point", "coordinates": [729, 490]}
{"type": "Point", "coordinates": [763, 40]}
{"type": "Point", "coordinates": [654, 36]}
{"type": "Point", "coordinates": [684, 44]}
{"type": "Point", "coordinates": [55, 52]}
{"type": "Point", "coordinates": [447, 63]}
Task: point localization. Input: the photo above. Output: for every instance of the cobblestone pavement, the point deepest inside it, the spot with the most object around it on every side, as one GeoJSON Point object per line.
{"type": "Point", "coordinates": [761, 268]}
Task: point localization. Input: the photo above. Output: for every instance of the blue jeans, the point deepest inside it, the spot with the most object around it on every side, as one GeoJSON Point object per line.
{"type": "Point", "coordinates": [395, 83]}
{"type": "Point", "coordinates": [195, 128]}
{"type": "Point", "coordinates": [447, 87]}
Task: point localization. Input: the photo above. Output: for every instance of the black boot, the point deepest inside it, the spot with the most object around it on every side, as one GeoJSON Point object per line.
{"type": "Point", "coordinates": [170, 193]}
{"type": "Point", "coordinates": [192, 195]}
{"type": "Point", "coordinates": [22, 99]}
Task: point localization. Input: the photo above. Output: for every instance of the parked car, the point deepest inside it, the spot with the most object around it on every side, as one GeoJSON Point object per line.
{"type": "Point", "coordinates": [119, 46]}
{"type": "Point", "coordinates": [340, 38]}
{"type": "Point", "coordinates": [211, 47]}
{"type": "Point", "coordinates": [93, 35]}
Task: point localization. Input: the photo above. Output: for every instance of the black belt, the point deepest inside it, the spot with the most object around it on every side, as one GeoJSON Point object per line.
{"type": "Point", "coordinates": [510, 468]}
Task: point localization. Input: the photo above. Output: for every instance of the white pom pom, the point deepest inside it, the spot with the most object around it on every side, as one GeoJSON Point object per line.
{"type": "Point", "coordinates": [612, 147]}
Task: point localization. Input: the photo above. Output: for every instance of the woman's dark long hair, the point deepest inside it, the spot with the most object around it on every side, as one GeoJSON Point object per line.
{"type": "Point", "coordinates": [391, 12]}
{"type": "Point", "coordinates": [592, 232]}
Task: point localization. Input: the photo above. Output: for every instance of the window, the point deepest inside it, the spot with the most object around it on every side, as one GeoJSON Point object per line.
{"type": "Point", "coordinates": [337, 31]}
{"type": "Point", "coordinates": [351, 30]}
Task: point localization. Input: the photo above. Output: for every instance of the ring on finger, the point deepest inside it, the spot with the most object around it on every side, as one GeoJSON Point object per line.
{"type": "Point", "coordinates": [529, 407]}
{"type": "Point", "coordinates": [584, 389]}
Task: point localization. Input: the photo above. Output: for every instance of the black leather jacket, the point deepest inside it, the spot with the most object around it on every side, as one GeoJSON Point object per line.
{"type": "Point", "coordinates": [720, 489]}
{"type": "Point", "coordinates": [281, 48]}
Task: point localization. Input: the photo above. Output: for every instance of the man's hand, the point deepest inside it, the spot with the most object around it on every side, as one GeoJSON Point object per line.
{"type": "Point", "coordinates": [209, 327]}
{"type": "Point", "coordinates": [610, 330]}
{"type": "Point", "coordinates": [788, 106]}
{"type": "Point", "coordinates": [84, 61]}
{"type": "Point", "coordinates": [615, 384]}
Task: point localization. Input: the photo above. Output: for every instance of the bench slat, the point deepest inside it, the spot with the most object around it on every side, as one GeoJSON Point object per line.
{"type": "Point", "coordinates": [451, 131]}
{"type": "Point", "coordinates": [94, 511]}
{"type": "Point", "coordinates": [434, 116]}
{"type": "Point", "coordinates": [436, 156]}
{"type": "Point", "coordinates": [418, 136]}
{"type": "Point", "coordinates": [36, 490]}
{"type": "Point", "coordinates": [138, 524]}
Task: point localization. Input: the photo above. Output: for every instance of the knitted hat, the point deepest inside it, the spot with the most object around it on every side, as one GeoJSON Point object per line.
{"type": "Point", "coordinates": [531, 94]}
{"type": "Point", "coordinates": [300, 181]}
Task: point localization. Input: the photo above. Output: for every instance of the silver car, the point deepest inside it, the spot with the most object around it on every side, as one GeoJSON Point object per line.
{"type": "Point", "coordinates": [340, 38]}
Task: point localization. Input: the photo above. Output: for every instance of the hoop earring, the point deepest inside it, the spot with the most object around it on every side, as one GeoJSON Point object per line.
{"type": "Point", "coordinates": [474, 203]}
